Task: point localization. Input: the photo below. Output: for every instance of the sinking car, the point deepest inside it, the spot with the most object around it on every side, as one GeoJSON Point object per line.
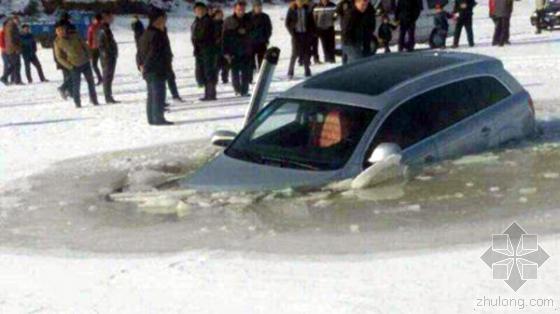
{"type": "Point", "coordinates": [420, 107]}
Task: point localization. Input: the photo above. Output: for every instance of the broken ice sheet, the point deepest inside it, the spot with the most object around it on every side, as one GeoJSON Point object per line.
{"type": "Point", "coordinates": [477, 159]}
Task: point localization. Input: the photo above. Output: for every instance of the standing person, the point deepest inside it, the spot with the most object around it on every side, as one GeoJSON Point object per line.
{"type": "Point", "coordinates": [407, 13]}
{"type": "Point", "coordinates": [223, 64]}
{"type": "Point", "coordinates": [359, 26]}
{"type": "Point", "coordinates": [314, 45]}
{"type": "Point", "coordinates": [12, 42]}
{"type": "Point", "coordinates": [154, 61]}
{"type": "Point", "coordinates": [93, 43]}
{"type": "Point", "coordinates": [29, 53]}
{"type": "Point", "coordinates": [109, 52]}
{"type": "Point", "coordinates": [385, 32]}
{"type": "Point", "coordinates": [171, 81]}
{"type": "Point", "coordinates": [500, 11]}
{"type": "Point", "coordinates": [438, 37]}
{"type": "Point", "coordinates": [260, 33]}
{"type": "Point", "coordinates": [5, 61]}
{"type": "Point", "coordinates": [238, 47]}
{"type": "Point", "coordinates": [464, 11]}
{"type": "Point", "coordinates": [342, 9]}
{"type": "Point", "coordinates": [324, 20]}
{"type": "Point", "coordinates": [539, 23]}
{"type": "Point", "coordinates": [300, 24]}
{"type": "Point", "coordinates": [205, 43]}
{"type": "Point", "coordinates": [72, 53]}
{"type": "Point", "coordinates": [138, 28]}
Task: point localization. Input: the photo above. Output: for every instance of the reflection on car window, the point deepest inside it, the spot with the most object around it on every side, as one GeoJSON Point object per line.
{"type": "Point", "coordinates": [302, 134]}
{"type": "Point", "coordinates": [438, 109]}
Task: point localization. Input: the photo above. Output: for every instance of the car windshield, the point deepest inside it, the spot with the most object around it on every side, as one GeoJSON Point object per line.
{"type": "Point", "coordinates": [302, 134]}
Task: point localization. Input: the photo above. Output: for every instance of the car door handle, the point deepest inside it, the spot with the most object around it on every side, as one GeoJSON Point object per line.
{"type": "Point", "coordinates": [429, 159]}
{"type": "Point", "coordinates": [485, 130]}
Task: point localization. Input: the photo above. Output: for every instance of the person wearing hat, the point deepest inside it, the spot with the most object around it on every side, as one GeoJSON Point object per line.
{"type": "Point", "coordinates": [464, 11]}
{"type": "Point", "coordinates": [154, 59]}
{"type": "Point", "coordinates": [12, 49]}
{"type": "Point", "coordinates": [72, 53]}
{"type": "Point", "coordinates": [260, 34]}
{"type": "Point", "coordinates": [301, 26]}
{"type": "Point", "coordinates": [205, 42]}
{"type": "Point", "coordinates": [223, 64]}
{"type": "Point", "coordinates": [109, 52]}
{"type": "Point", "coordinates": [238, 47]}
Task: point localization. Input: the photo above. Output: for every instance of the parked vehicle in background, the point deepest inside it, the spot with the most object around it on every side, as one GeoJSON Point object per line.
{"type": "Point", "coordinates": [424, 25]}
{"type": "Point", "coordinates": [551, 17]}
{"type": "Point", "coordinates": [43, 28]}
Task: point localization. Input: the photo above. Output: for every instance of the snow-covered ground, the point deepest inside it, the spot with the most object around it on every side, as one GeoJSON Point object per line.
{"type": "Point", "coordinates": [37, 129]}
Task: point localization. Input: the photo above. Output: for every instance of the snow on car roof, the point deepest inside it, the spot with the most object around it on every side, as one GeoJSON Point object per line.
{"type": "Point", "coordinates": [378, 74]}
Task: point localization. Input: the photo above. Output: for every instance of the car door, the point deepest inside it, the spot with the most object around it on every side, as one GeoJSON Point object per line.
{"type": "Point", "coordinates": [465, 122]}
{"type": "Point", "coordinates": [409, 125]}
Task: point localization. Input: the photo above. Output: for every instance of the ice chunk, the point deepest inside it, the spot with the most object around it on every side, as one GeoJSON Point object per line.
{"type": "Point", "coordinates": [551, 175]}
{"type": "Point", "coordinates": [477, 159]}
{"type": "Point", "coordinates": [528, 191]}
{"type": "Point", "coordinates": [354, 228]}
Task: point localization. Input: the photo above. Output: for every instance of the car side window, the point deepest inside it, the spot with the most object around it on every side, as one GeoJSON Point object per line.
{"type": "Point", "coordinates": [436, 110]}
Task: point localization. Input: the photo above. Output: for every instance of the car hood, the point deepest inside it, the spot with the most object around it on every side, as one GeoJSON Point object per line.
{"type": "Point", "coordinates": [227, 174]}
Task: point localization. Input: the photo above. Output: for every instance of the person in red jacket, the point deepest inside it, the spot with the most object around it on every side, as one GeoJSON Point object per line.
{"type": "Point", "coordinates": [3, 51]}
{"type": "Point", "coordinates": [93, 44]}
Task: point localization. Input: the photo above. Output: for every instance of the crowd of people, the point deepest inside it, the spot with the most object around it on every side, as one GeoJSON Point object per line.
{"type": "Point", "coordinates": [233, 46]}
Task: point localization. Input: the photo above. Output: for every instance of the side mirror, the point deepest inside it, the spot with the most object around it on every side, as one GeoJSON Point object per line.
{"type": "Point", "coordinates": [386, 166]}
{"type": "Point", "coordinates": [223, 138]}
{"type": "Point", "coordinates": [384, 150]}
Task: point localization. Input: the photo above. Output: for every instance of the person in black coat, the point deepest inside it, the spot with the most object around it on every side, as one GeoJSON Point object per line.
{"type": "Point", "coordinates": [205, 43]}
{"type": "Point", "coordinates": [323, 13]}
{"type": "Point", "coordinates": [260, 34]}
{"type": "Point", "coordinates": [359, 27]}
{"type": "Point", "coordinates": [438, 37]}
{"type": "Point", "coordinates": [108, 52]}
{"type": "Point", "coordinates": [301, 25]}
{"type": "Point", "coordinates": [138, 28]}
{"type": "Point", "coordinates": [29, 54]}
{"type": "Point", "coordinates": [464, 11]}
{"type": "Point", "coordinates": [154, 59]}
{"type": "Point", "coordinates": [385, 32]}
{"type": "Point", "coordinates": [407, 13]}
{"type": "Point", "coordinates": [223, 64]}
{"type": "Point", "coordinates": [238, 47]}
{"type": "Point", "coordinates": [342, 9]}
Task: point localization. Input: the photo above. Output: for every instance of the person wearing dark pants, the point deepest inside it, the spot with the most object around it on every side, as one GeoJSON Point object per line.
{"type": "Point", "coordinates": [343, 7]}
{"type": "Point", "coordinates": [137, 28]}
{"type": "Point", "coordinates": [500, 11]}
{"type": "Point", "coordinates": [76, 74]}
{"type": "Point", "coordinates": [359, 26]}
{"type": "Point", "coordinates": [323, 14]}
{"type": "Point", "coordinates": [223, 64]}
{"type": "Point", "coordinates": [109, 53]}
{"type": "Point", "coordinates": [407, 13]}
{"type": "Point", "coordinates": [12, 49]}
{"type": "Point", "coordinates": [464, 11]}
{"type": "Point", "coordinates": [205, 42]}
{"type": "Point", "coordinates": [260, 35]}
{"type": "Point", "coordinates": [29, 53]}
{"type": "Point", "coordinates": [301, 26]}
{"type": "Point", "coordinates": [73, 54]}
{"type": "Point", "coordinates": [238, 47]}
{"type": "Point", "coordinates": [93, 44]}
{"type": "Point", "coordinates": [154, 59]}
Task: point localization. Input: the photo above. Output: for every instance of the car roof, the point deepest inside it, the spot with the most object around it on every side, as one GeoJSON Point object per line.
{"type": "Point", "coordinates": [359, 82]}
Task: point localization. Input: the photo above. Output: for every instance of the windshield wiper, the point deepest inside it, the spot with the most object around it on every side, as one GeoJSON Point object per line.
{"type": "Point", "coordinates": [293, 163]}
